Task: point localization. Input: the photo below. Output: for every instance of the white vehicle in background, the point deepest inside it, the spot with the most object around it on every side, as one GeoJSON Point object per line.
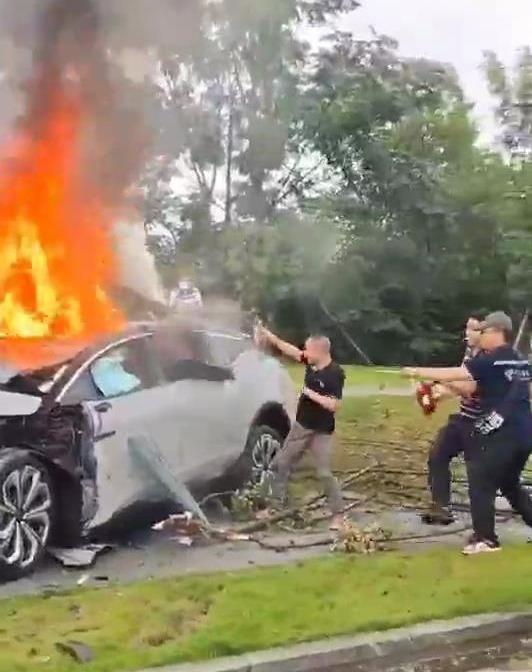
{"type": "Point", "coordinates": [185, 295]}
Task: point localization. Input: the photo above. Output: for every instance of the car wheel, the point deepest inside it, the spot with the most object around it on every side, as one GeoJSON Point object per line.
{"type": "Point", "coordinates": [263, 445]}
{"type": "Point", "coordinates": [26, 513]}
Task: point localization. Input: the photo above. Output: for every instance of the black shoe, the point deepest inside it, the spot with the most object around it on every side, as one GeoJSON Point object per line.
{"type": "Point", "coordinates": [438, 516]}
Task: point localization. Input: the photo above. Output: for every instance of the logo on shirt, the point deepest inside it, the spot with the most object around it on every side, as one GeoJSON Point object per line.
{"type": "Point", "coordinates": [516, 369]}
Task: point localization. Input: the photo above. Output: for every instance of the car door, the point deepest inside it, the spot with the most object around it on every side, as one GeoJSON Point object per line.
{"type": "Point", "coordinates": [121, 391]}
{"type": "Point", "coordinates": [226, 350]}
{"type": "Point", "coordinates": [195, 433]}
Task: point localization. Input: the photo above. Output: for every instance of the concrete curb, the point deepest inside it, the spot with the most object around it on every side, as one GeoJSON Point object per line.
{"type": "Point", "coordinates": [412, 646]}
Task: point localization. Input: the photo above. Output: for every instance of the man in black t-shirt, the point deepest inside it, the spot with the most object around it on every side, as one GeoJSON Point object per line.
{"type": "Point", "coordinates": [315, 419]}
{"type": "Point", "coordinates": [452, 438]}
{"type": "Point", "coordinates": [502, 436]}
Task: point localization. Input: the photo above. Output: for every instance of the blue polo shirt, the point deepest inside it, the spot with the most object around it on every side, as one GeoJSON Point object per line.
{"type": "Point", "coordinates": [503, 385]}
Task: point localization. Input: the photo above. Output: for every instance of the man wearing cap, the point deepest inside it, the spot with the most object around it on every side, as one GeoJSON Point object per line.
{"type": "Point", "coordinates": [502, 437]}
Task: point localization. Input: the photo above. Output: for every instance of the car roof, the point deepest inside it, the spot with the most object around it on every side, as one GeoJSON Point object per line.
{"type": "Point", "coordinates": [27, 355]}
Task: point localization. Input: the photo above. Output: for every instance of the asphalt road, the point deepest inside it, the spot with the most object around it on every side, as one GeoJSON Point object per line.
{"type": "Point", "coordinates": [148, 555]}
{"type": "Point", "coordinates": [151, 554]}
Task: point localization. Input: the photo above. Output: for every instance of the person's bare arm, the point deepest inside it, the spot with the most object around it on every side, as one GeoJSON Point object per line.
{"type": "Point", "coordinates": [456, 374]}
{"type": "Point", "coordinates": [329, 403]}
{"type": "Point", "coordinates": [286, 348]}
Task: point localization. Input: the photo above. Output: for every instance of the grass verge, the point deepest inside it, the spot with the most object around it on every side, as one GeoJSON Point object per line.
{"type": "Point", "coordinates": [164, 622]}
{"type": "Point", "coordinates": [392, 431]}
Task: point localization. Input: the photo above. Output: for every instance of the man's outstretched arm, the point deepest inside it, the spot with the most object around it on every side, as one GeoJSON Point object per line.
{"type": "Point", "coordinates": [456, 374]}
{"type": "Point", "coordinates": [286, 348]}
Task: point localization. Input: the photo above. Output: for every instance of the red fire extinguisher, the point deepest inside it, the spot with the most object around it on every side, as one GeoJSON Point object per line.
{"type": "Point", "coordinates": [425, 398]}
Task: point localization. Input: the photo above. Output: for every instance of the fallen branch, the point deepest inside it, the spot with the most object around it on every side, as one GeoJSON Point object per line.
{"type": "Point", "coordinates": [308, 543]}
{"type": "Point", "coordinates": [216, 495]}
{"type": "Point", "coordinates": [258, 525]}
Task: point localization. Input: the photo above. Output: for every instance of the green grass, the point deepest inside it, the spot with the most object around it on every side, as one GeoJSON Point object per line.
{"type": "Point", "coordinates": [393, 431]}
{"type": "Point", "coordinates": [362, 376]}
{"type": "Point", "coordinates": [187, 619]}
{"type": "Point", "coordinates": [383, 417]}
{"type": "Point", "coordinates": [170, 621]}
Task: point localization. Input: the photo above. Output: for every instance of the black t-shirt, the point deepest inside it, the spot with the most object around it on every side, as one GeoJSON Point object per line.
{"type": "Point", "coordinates": [328, 382]}
{"type": "Point", "coordinates": [503, 384]}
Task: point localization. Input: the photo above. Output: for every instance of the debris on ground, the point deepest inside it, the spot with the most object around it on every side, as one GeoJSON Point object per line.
{"type": "Point", "coordinates": [182, 524]}
{"type": "Point", "coordinates": [185, 529]}
{"type": "Point", "coordinates": [353, 539]}
{"type": "Point", "coordinates": [78, 558]}
{"type": "Point", "coordinates": [78, 651]}
{"type": "Point", "coordinates": [247, 502]}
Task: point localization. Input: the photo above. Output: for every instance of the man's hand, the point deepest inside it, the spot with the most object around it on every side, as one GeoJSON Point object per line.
{"type": "Point", "coordinates": [440, 391]}
{"type": "Point", "coordinates": [263, 336]}
{"type": "Point", "coordinates": [328, 403]}
{"type": "Point", "coordinates": [260, 335]}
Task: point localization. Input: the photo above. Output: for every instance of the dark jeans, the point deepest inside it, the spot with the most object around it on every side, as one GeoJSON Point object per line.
{"type": "Point", "coordinates": [495, 462]}
{"type": "Point", "coordinates": [451, 440]}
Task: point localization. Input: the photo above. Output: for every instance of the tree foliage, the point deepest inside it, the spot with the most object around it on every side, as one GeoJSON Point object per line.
{"type": "Point", "coordinates": [343, 180]}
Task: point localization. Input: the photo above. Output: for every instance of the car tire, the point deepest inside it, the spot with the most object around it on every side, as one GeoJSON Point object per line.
{"type": "Point", "coordinates": [27, 513]}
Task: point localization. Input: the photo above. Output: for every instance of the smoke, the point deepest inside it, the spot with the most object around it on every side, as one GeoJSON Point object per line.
{"type": "Point", "coordinates": [60, 49]}
{"type": "Point", "coordinates": [70, 55]}
{"type": "Point", "coordinates": [136, 265]}
{"type": "Point", "coordinates": [104, 52]}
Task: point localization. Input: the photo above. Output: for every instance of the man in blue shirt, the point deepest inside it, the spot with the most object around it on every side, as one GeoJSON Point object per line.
{"type": "Point", "coordinates": [502, 437]}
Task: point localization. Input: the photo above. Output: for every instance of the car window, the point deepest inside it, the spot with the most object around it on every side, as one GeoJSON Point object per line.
{"type": "Point", "coordinates": [122, 370]}
{"type": "Point", "coordinates": [223, 349]}
{"type": "Point", "coordinates": [82, 389]}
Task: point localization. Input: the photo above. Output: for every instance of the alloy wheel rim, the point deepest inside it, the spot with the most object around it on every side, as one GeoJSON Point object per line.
{"type": "Point", "coordinates": [25, 503]}
{"type": "Point", "coordinates": [264, 450]}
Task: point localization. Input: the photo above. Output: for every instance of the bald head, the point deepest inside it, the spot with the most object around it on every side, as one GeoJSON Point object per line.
{"type": "Point", "coordinates": [323, 342]}
{"type": "Point", "coordinates": [318, 349]}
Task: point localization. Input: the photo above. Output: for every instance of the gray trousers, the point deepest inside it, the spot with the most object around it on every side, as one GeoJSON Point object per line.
{"type": "Point", "coordinates": [320, 446]}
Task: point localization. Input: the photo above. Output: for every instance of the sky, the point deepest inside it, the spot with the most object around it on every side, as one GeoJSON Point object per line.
{"type": "Point", "coordinates": [453, 31]}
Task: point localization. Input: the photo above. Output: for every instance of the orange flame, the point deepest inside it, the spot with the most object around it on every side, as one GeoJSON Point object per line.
{"type": "Point", "coordinates": [56, 256]}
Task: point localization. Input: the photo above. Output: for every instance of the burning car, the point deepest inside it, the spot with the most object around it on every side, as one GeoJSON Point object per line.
{"type": "Point", "coordinates": [213, 406]}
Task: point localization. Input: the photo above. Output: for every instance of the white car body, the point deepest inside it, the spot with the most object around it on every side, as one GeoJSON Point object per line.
{"type": "Point", "coordinates": [195, 412]}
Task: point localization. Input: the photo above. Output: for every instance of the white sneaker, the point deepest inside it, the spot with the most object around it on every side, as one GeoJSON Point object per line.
{"type": "Point", "coordinates": [476, 546]}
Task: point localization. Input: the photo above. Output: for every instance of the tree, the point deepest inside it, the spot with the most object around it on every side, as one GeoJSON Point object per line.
{"type": "Point", "coordinates": [227, 110]}
{"type": "Point", "coordinates": [513, 93]}
{"type": "Point", "coordinates": [391, 128]}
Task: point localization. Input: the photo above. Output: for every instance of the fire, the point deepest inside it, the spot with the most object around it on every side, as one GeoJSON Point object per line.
{"type": "Point", "coordinates": [56, 256]}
